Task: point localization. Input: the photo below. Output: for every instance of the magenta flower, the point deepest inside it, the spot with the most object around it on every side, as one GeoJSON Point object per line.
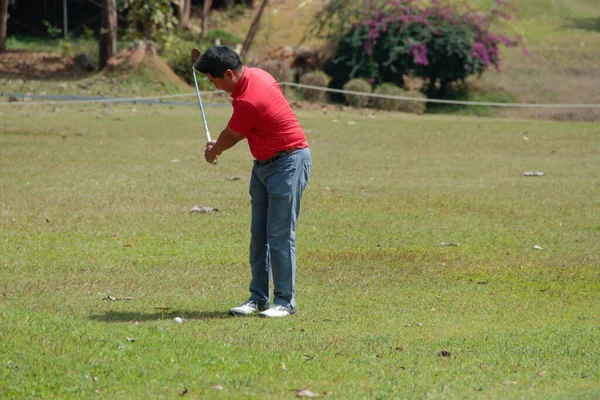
{"type": "Point", "coordinates": [369, 48]}
{"type": "Point", "coordinates": [506, 40]}
{"type": "Point", "coordinates": [419, 53]}
{"type": "Point", "coordinates": [481, 52]}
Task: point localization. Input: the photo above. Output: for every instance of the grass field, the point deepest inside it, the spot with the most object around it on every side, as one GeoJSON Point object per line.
{"type": "Point", "coordinates": [418, 274]}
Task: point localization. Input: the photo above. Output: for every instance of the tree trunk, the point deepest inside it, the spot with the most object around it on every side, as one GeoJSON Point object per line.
{"type": "Point", "coordinates": [205, 13]}
{"type": "Point", "coordinates": [184, 9]}
{"type": "Point", "coordinates": [431, 91]}
{"type": "Point", "coordinates": [253, 29]}
{"type": "Point", "coordinates": [108, 32]}
{"type": "Point", "coordinates": [3, 22]}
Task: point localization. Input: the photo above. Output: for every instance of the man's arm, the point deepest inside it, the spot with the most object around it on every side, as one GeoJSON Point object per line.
{"type": "Point", "coordinates": [227, 139]}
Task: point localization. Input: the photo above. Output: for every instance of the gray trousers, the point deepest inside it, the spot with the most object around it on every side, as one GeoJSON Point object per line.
{"type": "Point", "coordinates": [275, 191]}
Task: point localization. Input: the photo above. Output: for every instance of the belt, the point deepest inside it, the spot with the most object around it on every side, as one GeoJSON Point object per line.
{"type": "Point", "coordinates": [277, 156]}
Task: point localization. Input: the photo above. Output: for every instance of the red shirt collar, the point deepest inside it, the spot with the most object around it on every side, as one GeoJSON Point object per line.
{"type": "Point", "coordinates": [242, 84]}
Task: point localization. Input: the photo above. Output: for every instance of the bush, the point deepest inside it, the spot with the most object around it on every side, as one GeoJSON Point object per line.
{"type": "Point", "coordinates": [390, 89]}
{"type": "Point", "coordinates": [277, 68]}
{"type": "Point", "coordinates": [155, 17]}
{"type": "Point", "coordinates": [177, 55]}
{"type": "Point", "coordinates": [317, 78]}
{"type": "Point", "coordinates": [437, 41]}
{"type": "Point", "coordinates": [357, 85]}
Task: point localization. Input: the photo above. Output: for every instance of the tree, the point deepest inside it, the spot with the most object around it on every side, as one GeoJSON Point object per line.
{"type": "Point", "coordinates": [3, 22]}
{"type": "Point", "coordinates": [154, 16]}
{"type": "Point", "coordinates": [205, 13]}
{"type": "Point", "coordinates": [108, 32]}
{"type": "Point", "coordinates": [383, 40]}
{"type": "Point", "coordinates": [253, 29]}
{"type": "Point", "coordinates": [184, 9]}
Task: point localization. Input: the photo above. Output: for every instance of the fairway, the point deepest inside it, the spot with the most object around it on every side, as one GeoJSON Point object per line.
{"type": "Point", "coordinates": [429, 266]}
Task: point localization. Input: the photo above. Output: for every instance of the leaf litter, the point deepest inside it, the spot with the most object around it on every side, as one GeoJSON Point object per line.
{"type": "Point", "coordinates": [306, 393]}
{"type": "Point", "coordinates": [444, 353]}
{"type": "Point", "coordinates": [204, 210]}
{"type": "Point", "coordinates": [533, 173]}
{"type": "Point", "coordinates": [113, 298]}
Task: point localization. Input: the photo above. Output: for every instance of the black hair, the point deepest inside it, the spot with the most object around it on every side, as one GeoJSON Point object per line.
{"type": "Point", "coordinates": [218, 59]}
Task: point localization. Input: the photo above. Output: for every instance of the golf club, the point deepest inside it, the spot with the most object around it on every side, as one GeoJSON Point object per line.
{"type": "Point", "coordinates": [194, 56]}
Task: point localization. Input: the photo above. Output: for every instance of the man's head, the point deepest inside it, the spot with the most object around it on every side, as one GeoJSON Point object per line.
{"type": "Point", "coordinates": [222, 66]}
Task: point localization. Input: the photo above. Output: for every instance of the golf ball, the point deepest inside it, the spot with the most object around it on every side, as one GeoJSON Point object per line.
{"type": "Point", "coordinates": [177, 320]}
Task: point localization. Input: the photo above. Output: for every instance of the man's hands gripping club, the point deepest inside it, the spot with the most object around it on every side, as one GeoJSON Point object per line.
{"type": "Point", "coordinates": [227, 139]}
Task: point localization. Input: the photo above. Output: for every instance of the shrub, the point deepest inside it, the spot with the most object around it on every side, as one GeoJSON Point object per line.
{"type": "Point", "coordinates": [358, 85]}
{"type": "Point", "coordinates": [155, 17]}
{"type": "Point", "coordinates": [277, 68]}
{"type": "Point", "coordinates": [390, 89]}
{"type": "Point", "coordinates": [317, 78]}
{"type": "Point", "coordinates": [385, 39]}
{"type": "Point", "coordinates": [177, 55]}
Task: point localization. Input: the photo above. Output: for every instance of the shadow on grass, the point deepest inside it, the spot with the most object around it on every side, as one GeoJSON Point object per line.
{"type": "Point", "coordinates": [130, 316]}
{"type": "Point", "coordinates": [464, 92]}
{"type": "Point", "coordinates": [589, 24]}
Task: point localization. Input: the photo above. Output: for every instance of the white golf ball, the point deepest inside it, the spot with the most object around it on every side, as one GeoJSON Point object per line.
{"type": "Point", "coordinates": [177, 320]}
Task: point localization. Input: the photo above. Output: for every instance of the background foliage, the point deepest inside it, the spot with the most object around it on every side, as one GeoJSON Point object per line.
{"type": "Point", "coordinates": [154, 17]}
{"type": "Point", "coordinates": [382, 40]}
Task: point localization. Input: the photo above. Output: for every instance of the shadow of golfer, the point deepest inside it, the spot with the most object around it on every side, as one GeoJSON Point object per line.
{"type": "Point", "coordinates": [130, 316]}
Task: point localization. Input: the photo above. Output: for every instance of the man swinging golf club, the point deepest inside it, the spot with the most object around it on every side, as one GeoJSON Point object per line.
{"type": "Point", "coordinates": [263, 116]}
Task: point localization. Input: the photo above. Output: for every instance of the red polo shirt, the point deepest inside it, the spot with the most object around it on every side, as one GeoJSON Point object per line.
{"type": "Point", "coordinates": [262, 114]}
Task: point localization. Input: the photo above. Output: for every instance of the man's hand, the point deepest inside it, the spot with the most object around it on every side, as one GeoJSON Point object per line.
{"type": "Point", "coordinates": [227, 139]}
{"type": "Point", "coordinates": [209, 154]}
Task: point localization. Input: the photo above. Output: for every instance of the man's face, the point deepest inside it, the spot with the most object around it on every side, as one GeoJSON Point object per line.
{"type": "Point", "coordinates": [226, 83]}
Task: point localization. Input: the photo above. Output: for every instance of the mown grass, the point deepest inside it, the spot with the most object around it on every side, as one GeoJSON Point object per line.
{"type": "Point", "coordinates": [417, 236]}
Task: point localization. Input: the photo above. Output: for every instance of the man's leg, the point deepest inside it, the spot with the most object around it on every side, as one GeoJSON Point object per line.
{"type": "Point", "coordinates": [286, 181]}
{"type": "Point", "coordinates": [259, 250]}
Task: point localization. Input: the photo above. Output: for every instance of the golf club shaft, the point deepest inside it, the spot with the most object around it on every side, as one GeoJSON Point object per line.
{"type": "Point", "coordinates": [201, 107]}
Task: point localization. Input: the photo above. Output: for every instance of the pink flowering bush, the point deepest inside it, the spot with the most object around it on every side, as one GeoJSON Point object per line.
{"type": "Point", "coordinates": [441, 42]}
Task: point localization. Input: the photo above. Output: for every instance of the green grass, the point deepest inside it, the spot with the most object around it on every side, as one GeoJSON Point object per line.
{"type": "Point", "coordinates": [93, 204]}
{"type": "Point", "coordinates": [55, 45]}
{"type": "Point", "coordinates": [75, 45]}
{"type": "Point", "coordinates": [472, 92]}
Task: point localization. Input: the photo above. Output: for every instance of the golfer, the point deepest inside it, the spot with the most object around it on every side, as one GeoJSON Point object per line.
{"type": "Point", "coordinates": [263, 116]}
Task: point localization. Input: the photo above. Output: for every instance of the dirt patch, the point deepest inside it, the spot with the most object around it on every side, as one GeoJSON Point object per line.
{"type": "Point", "coordinates": [133, 56]}
{"type": "Point", "coordinates": [145, 55]}
{"type": "Point", "coordinates": [23, 64]}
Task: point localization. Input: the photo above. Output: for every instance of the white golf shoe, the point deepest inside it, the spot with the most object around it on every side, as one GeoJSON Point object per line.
{"type": "Point", "coordinates": [249, 307]}
{"type": "Point", "coordinates": [278, 311]}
